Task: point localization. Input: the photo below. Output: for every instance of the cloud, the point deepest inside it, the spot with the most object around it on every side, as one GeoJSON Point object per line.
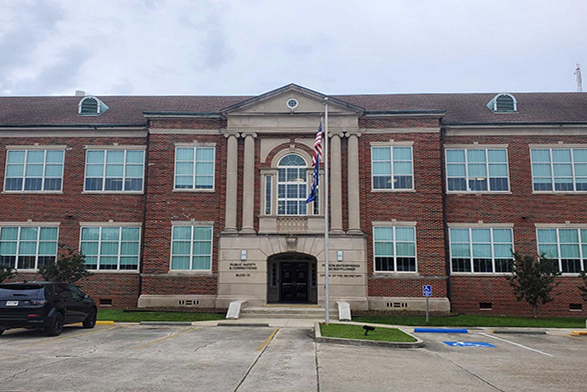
{"type": "Point", "coordinates": [62, 76]}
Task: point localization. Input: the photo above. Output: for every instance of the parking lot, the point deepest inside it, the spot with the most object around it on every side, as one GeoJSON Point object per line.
{"type": "Point", "coordinates": [127, 357]}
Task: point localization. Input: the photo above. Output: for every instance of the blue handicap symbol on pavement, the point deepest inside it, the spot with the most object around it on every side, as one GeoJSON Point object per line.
{"type": "Point", "coordinates": [469, 344]}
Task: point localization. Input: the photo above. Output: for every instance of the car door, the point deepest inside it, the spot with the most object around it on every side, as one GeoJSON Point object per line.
{"type": "Point", "coordinates": [77, 306]}
{"type": "Point", "coordinates": [83, 303]}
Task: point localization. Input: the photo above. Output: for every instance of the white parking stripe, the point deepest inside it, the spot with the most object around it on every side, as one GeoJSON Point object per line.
{"type": "Point", "coordinates": [516, 344]}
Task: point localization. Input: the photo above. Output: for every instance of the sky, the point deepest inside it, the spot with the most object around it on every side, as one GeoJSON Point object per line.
{"type": "Point", "coordinates": [247, 47]}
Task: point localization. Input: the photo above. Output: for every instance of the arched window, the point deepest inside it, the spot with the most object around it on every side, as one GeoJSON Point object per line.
{"type": "Point", "coordinates": [91, 106]}
{"type": "Point", "coordinates": [503, 103]}
{"type": "Point", "coordinates": [292, 186]}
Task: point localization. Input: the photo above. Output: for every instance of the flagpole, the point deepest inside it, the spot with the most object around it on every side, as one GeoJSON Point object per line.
{"type": "Point", "coordinates": [326, 223]}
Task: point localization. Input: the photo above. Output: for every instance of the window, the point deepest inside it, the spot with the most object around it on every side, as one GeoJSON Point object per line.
{"type": "Point", "coordinates": [477, 170]}
{"type": "Point", "coordinates": [28, 247]}
{"type": "Point", "coordinates": [111, 248]}
{"type": "Point", "coordinates": [292, 186]}
{"type": "Point", "coordinates": [481, 250]}
{"type": "Point", "coordinates": [503, 103]}
{"type": "Point", "coordinates": [34, 170]}
{"type": "Point", "coordinates": [191, 248]}
{"type": "Point", "coordinates": [268, 187]}
{"type": "Point", "coordinates": [559, 169]}
{"type": "Point", "coordinates": [91, 106]}
{"type": "Point", "coordinates": [194, 168]}
{"type": "Point", "coordinates": [395, 249]}
{"type": "Point", "coordinates": [392, 168]}
{"type": "Point", "coordinates": [114, 171]}
{"type": "Point", "coordinates": [567, 246]}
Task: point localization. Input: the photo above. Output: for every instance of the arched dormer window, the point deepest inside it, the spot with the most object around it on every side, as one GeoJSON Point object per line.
{"type": "Point", "coordinates": [292, 185]}
{"type": "Point", "coordinates": [503, 103]}
{"type": "Point", "coordinates": [91, 106]}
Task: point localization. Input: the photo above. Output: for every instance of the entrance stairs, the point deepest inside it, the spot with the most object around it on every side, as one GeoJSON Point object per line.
{"type": "Point", "coordinates": [307, 312]}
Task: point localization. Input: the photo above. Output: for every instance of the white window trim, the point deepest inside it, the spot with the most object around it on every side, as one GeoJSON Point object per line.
{"type": "Point", "coordinates": [479, 226]}
{"type": "Point", "coordinates": [121, 225]}
{"type": "Point", "coordinates": [195, 145]}
{"type": "Point", "coordinates": [577, 227]}
{"type": "Point", "coordinates": [191, 224]}
{"type": "Point", "coordinates": [466, 163]}
{"type": "Point", "coordinates": [394, 224]}
{"type": "Point", "coordinates": [391, 144]}
{"type": "Point", "coordinates": [40, 225]}
{"type": "Point", "coordinates": [515, 101]}
{"type": "Point", "coordinates": [114, 148]}
{"type": "Point", "coordinates": [26, 149]}
{"type": "Point", "coordinates": [552, 177]}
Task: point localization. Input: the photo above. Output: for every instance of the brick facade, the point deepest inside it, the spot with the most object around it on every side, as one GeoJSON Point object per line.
{"type": "Point", "coordinates": [429, 206]}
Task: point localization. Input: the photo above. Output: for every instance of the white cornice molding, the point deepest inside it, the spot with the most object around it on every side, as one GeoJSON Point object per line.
{"type": "Point", "coordinates": [116, 147]}
{"type": "Point", "coordinates": [566, 225]}
{"type": "Point", "coordinates": [392, 142]}
{"type": "Point", "coordinates": [476, 146]}
{"type": "Point", "coordinates": [192, 223]}
{"type": "Point", "coordinates": [30, 223]}
{"type": "Point", "coordinates": [558, 145]}
{"type": "Point", "coordinates": [393, 223]}
{"type": "Point", "coordinates": [110, 224]}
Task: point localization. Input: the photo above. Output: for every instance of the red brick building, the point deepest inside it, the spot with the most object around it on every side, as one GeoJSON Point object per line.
{"type": "Point", "coordinates": [199, 201]}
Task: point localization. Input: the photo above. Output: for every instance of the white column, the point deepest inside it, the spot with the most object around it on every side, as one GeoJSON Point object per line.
{"type": "Point", "coordinates": [335, 184]}
{"type": "Point", "coordinates": [231, 183]}
{"type": "Point", "coordinates": [249, 184]}
{"type": "Point", "coordinates": [353, 183]}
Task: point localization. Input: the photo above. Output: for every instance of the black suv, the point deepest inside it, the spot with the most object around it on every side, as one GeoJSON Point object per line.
{"type": "Point", "coordinates": [44, 305]}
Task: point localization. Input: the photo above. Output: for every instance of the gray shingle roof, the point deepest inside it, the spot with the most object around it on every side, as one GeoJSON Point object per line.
{"type": "Point", "coordinates": [460, 108]}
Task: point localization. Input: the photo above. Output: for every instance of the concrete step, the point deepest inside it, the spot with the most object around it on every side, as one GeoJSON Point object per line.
{"type": "Point", "coordinates": [297, 312]}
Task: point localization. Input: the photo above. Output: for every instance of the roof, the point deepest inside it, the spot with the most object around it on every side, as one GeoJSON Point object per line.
{"type": "Point", "coordinates": [460, 108]}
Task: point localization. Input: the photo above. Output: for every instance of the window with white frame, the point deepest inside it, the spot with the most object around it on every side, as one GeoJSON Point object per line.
{"type": "Point", "coordinates": [111, 248]}
{"type": "Point", "coordinates": [394, 249]}
{"type": "Point", "coordinates": [481, 249]}
{"type": "Point", "coordinates": [194, 168]}
{"type": "Point", "coordinates": [114, 170]}
{"type": "Point", "coordinates": [34, 170]}
{"type": "Point", "coordinates": [292, 186]}
{"type": "Point", "coordinates": [566, 246]}
{"type": "Point", "coordinates": [391, 168]}
{"type": "Point", "coordinates": [477, 170]}
{"type": "Point", "coordinates": [559, 169]}
{"type": "Point", "coordinates": [28, 247]}
{"type": "Point", "coordinates": [191, 248]}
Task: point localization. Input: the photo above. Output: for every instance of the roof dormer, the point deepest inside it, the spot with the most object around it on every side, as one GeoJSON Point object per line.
{"type": "Point", "coordinates": [91, 106]}
{"type": "Point", "coordinates": [503, 103]}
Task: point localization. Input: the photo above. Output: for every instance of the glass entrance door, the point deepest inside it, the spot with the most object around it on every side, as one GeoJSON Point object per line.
{"type": "Point", "coordinates": [294, 282]}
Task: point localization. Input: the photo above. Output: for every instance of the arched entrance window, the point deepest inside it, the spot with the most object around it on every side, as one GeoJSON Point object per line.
{"type": "Point", "coordinates": [292, 186]}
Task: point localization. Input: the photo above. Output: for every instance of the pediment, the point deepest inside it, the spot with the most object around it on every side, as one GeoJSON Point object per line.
{"type": "Point", "coordinates": [276, 102]}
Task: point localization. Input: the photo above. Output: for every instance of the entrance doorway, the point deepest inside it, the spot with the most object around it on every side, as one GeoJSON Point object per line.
{"type": "Point", "coordinates": [292, 279]}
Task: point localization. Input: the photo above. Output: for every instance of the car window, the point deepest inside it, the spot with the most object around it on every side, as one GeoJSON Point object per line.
{"type": "Point", "coordinates": [77, 294]}
{"type": "Point", "coordinates": [64, 292]}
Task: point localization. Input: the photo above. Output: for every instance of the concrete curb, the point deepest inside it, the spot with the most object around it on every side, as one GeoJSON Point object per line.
{"type": "Point", "coordinates": [357, 342]}
{"type": "Point", "coordinates": [105, 322]}
{"type": "Point", "coordinates": [225, 324]}
{"type": "Point", "coordinates": [518, 332]}
{"type": "Point", "coordinates": [189, 323]}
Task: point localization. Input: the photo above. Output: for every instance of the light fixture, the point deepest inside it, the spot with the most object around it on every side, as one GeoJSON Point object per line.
{"type": "Point", "coordinates": [339, 255]}
{"type": "Point", "coordinates": [243, 254]}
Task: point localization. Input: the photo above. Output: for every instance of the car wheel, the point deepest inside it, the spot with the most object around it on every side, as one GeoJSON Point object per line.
{"type": "Point", "coordinates": [55, 325]}
{"type": "Point", "coordinates": [90, 321]}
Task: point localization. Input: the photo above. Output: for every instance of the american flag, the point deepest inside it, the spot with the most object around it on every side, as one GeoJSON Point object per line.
{"type": "Point", "coordinates": [316, 163]}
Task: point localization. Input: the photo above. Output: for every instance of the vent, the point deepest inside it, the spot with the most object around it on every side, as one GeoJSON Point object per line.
{"type": "Point", "coordinates": [397, 304]}
{"type": "Point", "coordinates": [503, 103]}
{"type": "Point", "coordinates": [575, 307]}
{"type": "Point", "coordinates": [188, 302]}
{"type": "Point", "coordinates": [486, 305]}
{"type": "Point", "coordinates": [91, 106]}
{"type": "Point", "coordinates": [105, 301]}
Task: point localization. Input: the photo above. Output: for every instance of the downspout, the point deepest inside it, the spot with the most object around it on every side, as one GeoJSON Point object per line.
{"type": "Point", "coordinates": [145, 187]}
{"type": "Point", "coordinates": [444, 218]}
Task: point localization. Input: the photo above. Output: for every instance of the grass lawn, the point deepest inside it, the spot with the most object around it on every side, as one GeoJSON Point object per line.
{"type": "Point", "coordinates": [357, 332]}
{"type": "Point", "coordinates": [476, 321]}
{"type": "Point", "coordinates": [131, 317]}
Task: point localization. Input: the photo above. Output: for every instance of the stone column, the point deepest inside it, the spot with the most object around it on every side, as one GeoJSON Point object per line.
{"type": "Point", "coordinates": [231, 183]}
{"type": "Point", "coordinates": [353, 182]}
{"type": "Point", "coordinates": [335, 184]}
{"type": "Point", "coordinates": [249, 183]}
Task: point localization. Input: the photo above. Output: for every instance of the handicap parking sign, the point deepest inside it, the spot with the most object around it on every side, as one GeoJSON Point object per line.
{"type": "Point", "coordinates": [469, 344]}
{"type": "Point", "coordinates": [427, 290]}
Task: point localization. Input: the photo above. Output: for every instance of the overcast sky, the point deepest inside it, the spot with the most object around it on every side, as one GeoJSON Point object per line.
{"type": "Point", "coordinates": [204, 47]}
